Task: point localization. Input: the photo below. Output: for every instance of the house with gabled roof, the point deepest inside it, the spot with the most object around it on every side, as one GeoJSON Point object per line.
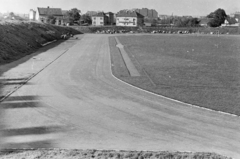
{"type": "Point", "coordinates": [129, 18]}
{"type": "Point", "coordinates": [99, 19]}
{"type": "Point", "coordinates": [43, 13]}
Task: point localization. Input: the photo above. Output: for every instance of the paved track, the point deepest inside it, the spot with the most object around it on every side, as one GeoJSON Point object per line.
{"type": "Point", "coordinates": [77, 103]}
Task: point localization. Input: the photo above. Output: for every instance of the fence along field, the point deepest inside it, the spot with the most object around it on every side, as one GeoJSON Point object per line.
{"type": "Point", "coordinates": [201, 70]}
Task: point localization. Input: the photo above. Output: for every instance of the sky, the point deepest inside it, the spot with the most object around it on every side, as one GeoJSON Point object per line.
{"type": "Point", "coordinates": [166, 7]}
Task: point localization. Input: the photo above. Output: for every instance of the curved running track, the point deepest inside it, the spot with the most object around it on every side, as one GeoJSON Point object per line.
{"type": "Point", "coordinates": [79, 93]}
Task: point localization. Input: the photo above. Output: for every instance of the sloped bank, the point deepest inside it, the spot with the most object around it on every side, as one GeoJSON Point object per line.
{"type": "Point", "coordinates": [18, 39]}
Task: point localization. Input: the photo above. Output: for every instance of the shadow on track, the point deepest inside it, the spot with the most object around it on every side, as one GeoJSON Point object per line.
{"type": "Point", "coordinates": [15, 103]}
{"type": "Point", "coordinates": [14, 138]}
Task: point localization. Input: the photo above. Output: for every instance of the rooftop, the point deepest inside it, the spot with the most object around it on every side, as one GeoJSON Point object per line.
{"type": "Point", "coordinates": [50, 11]}
{"type": "Point", "coordinates": [128, 13]}
{"type": "Point", "coordinates": [99, 14]}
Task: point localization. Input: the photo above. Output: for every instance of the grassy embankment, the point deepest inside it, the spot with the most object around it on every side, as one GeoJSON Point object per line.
{"type": "Point", "coordinates": [200, 70]}
{"type": "Point", "coordinates": [18, 39]}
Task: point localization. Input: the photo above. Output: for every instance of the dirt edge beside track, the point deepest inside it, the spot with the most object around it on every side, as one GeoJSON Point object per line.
{"type": "Point", "coordinates": [103, 154]}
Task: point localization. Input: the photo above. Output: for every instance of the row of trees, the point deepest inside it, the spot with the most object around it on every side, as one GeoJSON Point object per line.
{"type": "Point", "coordinates": [72, 16]}
{"type": "Point", "coordinates": [217, 18]}
{"type": "Point", "coordinates": [187, 22]}
{"type": "Point", "coordinates": [180, 21]}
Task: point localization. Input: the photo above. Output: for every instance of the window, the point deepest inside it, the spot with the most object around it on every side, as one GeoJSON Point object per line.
{"type": "Point", "coordinates": [94, 18]}
{"type": "Point", "coordinates": [101, 22]}
{"type": "Point", "coordinates": [101, 18]}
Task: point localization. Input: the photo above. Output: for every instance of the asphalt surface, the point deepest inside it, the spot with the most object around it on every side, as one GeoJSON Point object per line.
{"type": "Point", "coordinates": [76, 103]}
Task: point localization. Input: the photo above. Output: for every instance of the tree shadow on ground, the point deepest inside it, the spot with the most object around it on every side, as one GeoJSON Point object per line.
{"type": "Point", "coordinates": [23, 102]}
{"type": "Point", "coordinates": [40, 136]}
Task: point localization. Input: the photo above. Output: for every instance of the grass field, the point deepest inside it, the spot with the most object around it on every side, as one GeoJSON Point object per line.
{"type": "Point", "coordinates": [200, 70]}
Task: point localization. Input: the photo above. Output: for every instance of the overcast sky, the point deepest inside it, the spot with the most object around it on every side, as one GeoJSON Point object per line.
{"type": "Point", "coordinates": [177, 7]}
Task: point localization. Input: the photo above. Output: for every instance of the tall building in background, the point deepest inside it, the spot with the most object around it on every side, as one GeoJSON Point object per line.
{"type": "Point", "coordinates": [147, 13]}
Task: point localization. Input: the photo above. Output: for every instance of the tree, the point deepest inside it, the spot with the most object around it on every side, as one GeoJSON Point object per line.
{"type": "Point", "coordinates": [86, 19]}
{"type": "Point", "coordinates": [11, 14]}
{"type": "Point", "coordinates": [73, 15]}
{"type": "Point", "coordinates": [186, 22]}
{"type": "Point", "coordinates": [193, 22]}
{"type": "Point", "coordinates": [51, 19]}
{"type": "Point", "coordinates": [168, 20]}
{"type": "Point", "coordinates": [217, 17]}
{"type": "Point", "coordinates": [153, 21]}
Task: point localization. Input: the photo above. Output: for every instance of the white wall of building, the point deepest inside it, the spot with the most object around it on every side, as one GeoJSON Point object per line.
{"type": "Point", "coordinates": [97, 21]}
{"type": "Point", "coordinates": [126, 21]}
{"type": "Point", "coordinates": [32, 15]}
{"type": "Point", "coordinates": [37, 15]}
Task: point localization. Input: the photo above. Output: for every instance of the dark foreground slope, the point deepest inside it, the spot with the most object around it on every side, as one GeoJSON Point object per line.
{"type": "Point", "coordinates": [18, 39]}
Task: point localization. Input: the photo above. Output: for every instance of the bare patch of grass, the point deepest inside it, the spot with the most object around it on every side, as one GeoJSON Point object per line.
{"type": "Point", "coordinates": [118, 65]}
